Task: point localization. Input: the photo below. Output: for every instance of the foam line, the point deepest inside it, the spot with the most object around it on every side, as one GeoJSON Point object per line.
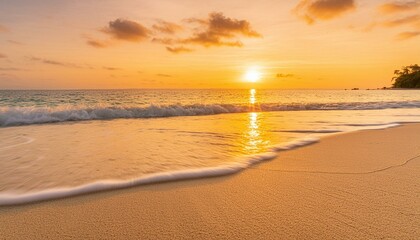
{"type": "Point", "coordinates": [234, 167]}
{"type": "Point", "coordinates": [16, 199]}
{"type": "Point", "coordinates": [12, 116]}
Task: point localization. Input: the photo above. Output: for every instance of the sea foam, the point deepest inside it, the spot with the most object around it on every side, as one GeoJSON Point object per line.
{"type": "Point", "coordinates": [56, 193]}
{"type": "Point", "coordinates": [227, 169]}
{"type": "Point", "coordinates": [12, 116]}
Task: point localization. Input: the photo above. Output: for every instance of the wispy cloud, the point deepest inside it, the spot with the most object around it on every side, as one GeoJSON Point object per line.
{"type": "Point", "coordinates": [179, 49]}
{"type": "Point", "coordinates": [413, 19]}
{"type": "Point", "coordinates": [15, 42]}
{"type": "Point", "coordinates": [3, 56]}
{"type": "Point", "coordinates": [313, 10]}
{"type": "Point", "coordinates": [97, 43]}
{"type": "Point", "coordinates": [163, 75]}
{"type": "Point", "coordinates": [167, 27]}
{"type": "Point", "coordinates": [396, 7]}
{"type": "Point", "coordinates": [55, 63]}
{"type": "Point", "coordinates": [127, 30]}
{"type": "Point", "coordinates": [165, 41]}
{"type": "Point", "coordinates": [112, 68]}
{"type": "Point", "coordinates": [10, 69]}
{"type": "Point", "coordinates": [407, 35]}
{"type": "Point", "coordinates": [285, 75]}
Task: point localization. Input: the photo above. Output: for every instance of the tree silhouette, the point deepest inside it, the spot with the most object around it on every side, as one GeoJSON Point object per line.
{"type": "Point", "coordinates": [407, 77]}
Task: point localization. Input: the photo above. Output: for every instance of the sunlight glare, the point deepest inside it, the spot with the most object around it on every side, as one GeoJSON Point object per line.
{"type": "Point", "coordinates": [253, 75]}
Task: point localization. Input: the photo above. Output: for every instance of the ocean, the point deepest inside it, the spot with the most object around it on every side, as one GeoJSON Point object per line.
{"type": "Point", "coordinates": [60, 143]}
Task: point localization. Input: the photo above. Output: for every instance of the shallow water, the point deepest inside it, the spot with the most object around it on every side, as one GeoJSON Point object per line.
{"type": "Point", "coordinates": [41, 161]}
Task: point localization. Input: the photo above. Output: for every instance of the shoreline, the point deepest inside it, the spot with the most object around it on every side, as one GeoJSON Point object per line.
{"type": "Point", "coordinates": [323, 190]}
{"type": "Point", "coordinates": [249, 161]}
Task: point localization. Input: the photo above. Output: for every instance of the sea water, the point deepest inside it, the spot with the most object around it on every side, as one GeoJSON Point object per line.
{"type": "Point", "coordinates": [62, 143]}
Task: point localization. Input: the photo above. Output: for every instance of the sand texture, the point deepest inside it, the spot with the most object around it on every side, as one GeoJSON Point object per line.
{"type": "Point", "coordinates": [359, 185]}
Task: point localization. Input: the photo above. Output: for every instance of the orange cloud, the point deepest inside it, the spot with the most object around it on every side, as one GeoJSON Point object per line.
{"type": "Point", "coordinates": [220, 30]}
{"type": "Point", "coordinates": [284, 75]}
{"type": "Point", "coordinates": [165, 41]}
{"type": "Point", "coordinates": [312, 10]}
{"type": "Point", "coordinates": [53, 62]}
{"type": "Point", "coordinates": [395, 7]}
{"type": "Point", "coordinates": [207, 39]}
{"type": "Point", "coordinates": [15, 42]}
{"type": "Point", "coordinates": [216, 30]}
{"type": "Point", "coordinates": [163, 75]}
{"type": "Point", "coordinates": [178, 49]}
{"type": "Point", "coordinates": [97, 43]}
{"type": "Point", "coordinates": [112, 68]}
{"type": "Point", "coordinates": [414, 19]}
{"type": "Point", "coordinates": [11, 69]}
{"type": "Point", "coordinates": [127, 30]}
{"type": "Point", "coordinates": [167, 27]}
{"type": "Point", "coordinates": [3, 56]}
{"type": "Point", "coordinates": [407, 35]}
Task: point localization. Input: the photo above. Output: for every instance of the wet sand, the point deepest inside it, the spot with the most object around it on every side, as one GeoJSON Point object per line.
{"type": "Point", "coordinates": [364, 184]}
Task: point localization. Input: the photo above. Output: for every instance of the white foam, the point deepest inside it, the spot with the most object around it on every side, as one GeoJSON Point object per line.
{"type": "Point", "coordinates": [295, 144]}
{"type": "Point", "coordinates": [12, 116]}
{"type": "Point", "coordinates": [234, 167]}
{"type": "Point", "coordinates": [16, 199]}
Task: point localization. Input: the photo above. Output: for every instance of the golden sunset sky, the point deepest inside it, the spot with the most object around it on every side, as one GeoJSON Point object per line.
{"type": "Point", "coordinates": [300, 44]}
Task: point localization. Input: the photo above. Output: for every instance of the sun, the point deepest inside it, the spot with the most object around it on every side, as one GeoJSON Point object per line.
{"type": "Point", "coordinates": [253, 75]}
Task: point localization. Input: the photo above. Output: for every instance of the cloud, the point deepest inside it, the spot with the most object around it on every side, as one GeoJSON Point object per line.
{"type": "Point", "coordinates": [3, 56]}
{"type": "Point", "coordinates": [220, 30]}
{"type": "Point", "coordinates": [163, 75]}
{"type": "Point", "coordinates": [207, 39]}
{"type": "Point", "coordinates": [53, 62]}
{"type": "Point", "coordinates": [15, 42]}
{"type": "Point", "coordinates": [111, 68]}
{"type": "Point", "coordinates": [122, 29]}
{"type": "Point", "coordinates": [179, 49]}
{"type": "Point", "coordinates": [167, 27]}
{"type": "Point", "coordinates": [396, 7]}
{"type": "Point", "coordinates": [215, 30]}
{"type": "Point", "coordinates": [313, 10]}
{"type": "Point", "coordinates": [407, 35]}
{"type": "Point", "coordinates": [165, 41]}
{"type": "Point", "coordinates": [282, 75]}
{"type": "Point", "coordinates": [414, 19]}
{"type": "Point", "coordinates": [10, 69]}
{"type": "Point", "coordinates": [97, 43]}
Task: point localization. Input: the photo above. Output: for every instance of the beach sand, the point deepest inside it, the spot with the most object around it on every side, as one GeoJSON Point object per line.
{"type": "Point", "coordinates": [364, 184]}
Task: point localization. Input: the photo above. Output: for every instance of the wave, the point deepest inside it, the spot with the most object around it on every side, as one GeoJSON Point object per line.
{"type": "Point", "coordinates": [7, 199]}
{"type": "Point", "coordinates": [13, 116]}
{"type": "Point", "coordinates": [234, 167]}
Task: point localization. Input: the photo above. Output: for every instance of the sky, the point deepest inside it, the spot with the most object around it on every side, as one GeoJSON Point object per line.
{"type": "Point", "coordinates": [300, 44]}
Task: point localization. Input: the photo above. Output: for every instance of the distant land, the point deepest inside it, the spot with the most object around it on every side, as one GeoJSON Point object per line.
{"type": "Point", "coordinates": [407, 77]}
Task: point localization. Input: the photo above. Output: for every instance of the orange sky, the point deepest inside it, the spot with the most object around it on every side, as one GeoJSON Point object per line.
{"type": "Point", "coordinates": [306, 44]}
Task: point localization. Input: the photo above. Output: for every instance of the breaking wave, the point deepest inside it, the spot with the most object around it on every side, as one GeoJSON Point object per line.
{"type": "Point", "coordinates": [13, 116]}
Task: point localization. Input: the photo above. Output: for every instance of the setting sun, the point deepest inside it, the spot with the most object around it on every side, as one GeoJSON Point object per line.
{"type": "Point", "coordinates": [221, 116]}
{"type": "Point", "coordinates": [253, 75]}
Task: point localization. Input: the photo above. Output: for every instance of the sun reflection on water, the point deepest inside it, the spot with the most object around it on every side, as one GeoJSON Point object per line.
{"type": "Point", "coordinates": [253, 102]}
{"type": "Point", "coordinates": [252, 98]}
{"type": "Point", "coordinates": [256, 137]}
